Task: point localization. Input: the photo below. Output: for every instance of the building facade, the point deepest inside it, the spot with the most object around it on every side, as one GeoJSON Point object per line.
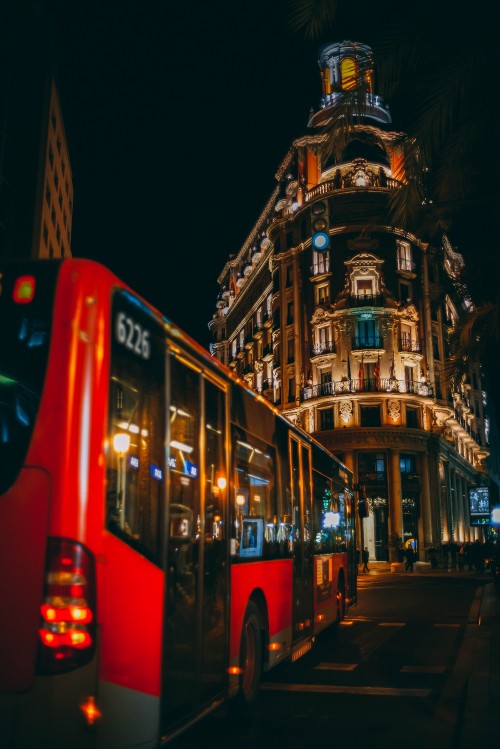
{"type": "Point", "coordinates": [343, 321]}
{"type": "Point", "coordinates": [36, 185]}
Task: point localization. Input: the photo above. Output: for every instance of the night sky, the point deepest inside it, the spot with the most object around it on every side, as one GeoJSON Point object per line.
{"type": "Point", "coordinates": [177, 117]}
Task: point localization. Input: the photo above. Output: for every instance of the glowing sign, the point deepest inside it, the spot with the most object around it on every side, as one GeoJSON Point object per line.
{"type": "Point", "coordinates": [155, 472]}
{"type": "Point", "coordinates": [479, 505]}
{"type": "Point", "coordinates": [495, 516]}
{"type": "Point", "coordinates": [320, 241]}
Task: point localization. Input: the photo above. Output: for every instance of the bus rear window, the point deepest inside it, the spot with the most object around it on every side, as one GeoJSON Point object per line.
{"type": "Point", "coordinates": [136, 439]}
{"type": "Point", "coordinates": [26, 303]}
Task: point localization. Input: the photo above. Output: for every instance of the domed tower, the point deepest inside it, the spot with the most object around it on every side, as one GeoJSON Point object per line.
{"type": "Point", "coordinates": [342, 320]}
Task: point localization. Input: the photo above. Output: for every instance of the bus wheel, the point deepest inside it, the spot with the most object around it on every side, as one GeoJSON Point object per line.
{"type": "Point", "coordinates": [250, 655]}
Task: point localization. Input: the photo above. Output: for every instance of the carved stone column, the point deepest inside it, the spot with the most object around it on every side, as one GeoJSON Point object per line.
{"type": "Point", "coordinates": [425, 520]}
{"type": "Point", "coordinates": [395, 502]}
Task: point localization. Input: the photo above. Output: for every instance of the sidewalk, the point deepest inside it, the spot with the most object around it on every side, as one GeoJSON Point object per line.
{"type": "Point", "coordinates": [474, 684]}
{"type": "Point", "coordinates": [479, 724]}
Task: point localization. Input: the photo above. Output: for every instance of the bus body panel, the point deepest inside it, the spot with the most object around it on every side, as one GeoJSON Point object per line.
{"type": "Point", "coordinates": [272, 579]}
{"type": "Point", "coordinates": [328, 569]}
{"type": "Point", "coordinates": [48, 715]}
{"type": "Point", "coordinates": [131, 600]}
{"type": "Point", "coordinates": [24, 519]}
{"type": "Point", "coordinates": [61, 492]}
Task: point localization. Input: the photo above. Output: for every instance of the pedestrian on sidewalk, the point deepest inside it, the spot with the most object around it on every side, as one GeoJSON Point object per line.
{"type": "Point", "coordinates": [366, 557]}
{"type": "Point", "coordinates": [410, 558]}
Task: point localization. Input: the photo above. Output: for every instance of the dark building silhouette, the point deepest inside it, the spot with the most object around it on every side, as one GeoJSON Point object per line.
{"type": "Point", "coordinates": [36, 186]}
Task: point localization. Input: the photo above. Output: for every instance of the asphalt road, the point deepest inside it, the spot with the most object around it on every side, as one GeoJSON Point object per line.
{"type": "Point", "coordinates": [378, 681]}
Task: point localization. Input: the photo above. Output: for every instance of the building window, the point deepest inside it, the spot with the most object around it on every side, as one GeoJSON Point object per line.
{"type": "Point", "coordinates": [367, 334]}
{"type": "Point", "coordinates": [289, 313]}
{"type": "Point", "coordinates": [322, 294]}
{"type": "Point", "coordinates": [348, 73]}
{"type": "Point", "coordinates": [409, 378]}
{"type": "Point", "coordinates": [291, 389]}
{"type": "Point", "coordinates": [289, 275]}
{"type": "Point", "coordinates": [323, 340]}
{"type": "Point", "coordinates": [370, 416]}
{"type": "Point", "coordinates": [411, 417]}
{"type": "Point", "coordinates": [325, 376]}
{"type": "Point", "coordinates": [404, 292]}
{"type": "Point", "coordinates": [290, 350]}
{"type": "Point", "coordinates": [364, 287]}
{"type": "Point", "coordinates": [435, 347]}
{"type": "Point", "coordinates": [326, 418]}
{"type": "Point", "coordinates": [404, 258]}
{"type": "Point", "coordinates": [407, 463]}
{"type": "Point", "coordinates": [289, 239]}
{"type": "Point", "coordinates": [321, 263]}
{"type": "Point", "coordinates": [47, 194]}
{"type": "Point", "coordinates": [51, 157]}
{"type": "Point", "coordinates": [371, 463]}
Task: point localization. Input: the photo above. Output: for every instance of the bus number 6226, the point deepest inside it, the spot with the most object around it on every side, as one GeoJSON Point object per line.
{"type": "Point", "coordinates": [133, 336]}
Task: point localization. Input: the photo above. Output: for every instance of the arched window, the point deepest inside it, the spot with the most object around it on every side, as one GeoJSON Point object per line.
{"type": "Point", "coordinates": [348, 73]}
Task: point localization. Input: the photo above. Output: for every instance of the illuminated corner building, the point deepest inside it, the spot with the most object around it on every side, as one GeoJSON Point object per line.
{"type": "Point", "coordinates": [343, 321]}
{"type": "Point", "coordinates": [36, 186]}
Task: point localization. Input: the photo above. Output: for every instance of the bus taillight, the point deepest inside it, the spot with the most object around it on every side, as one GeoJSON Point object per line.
{"type": "Point", "coordinates": [67, 623]}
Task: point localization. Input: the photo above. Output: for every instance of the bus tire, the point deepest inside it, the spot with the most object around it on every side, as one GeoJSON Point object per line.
{"type": "Point", "coordinates": [250, 655]}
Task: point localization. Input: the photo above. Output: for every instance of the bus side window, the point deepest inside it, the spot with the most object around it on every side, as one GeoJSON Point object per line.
{"type": "Point", "coordinates": [136, 430]}
{"type": "Point", "coordinates": [254, 528]}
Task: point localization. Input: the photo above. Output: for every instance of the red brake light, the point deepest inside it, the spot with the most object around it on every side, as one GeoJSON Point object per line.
{"type": "Point", "coordinates": [24, 289]}
{"type": "Point", "coordinates": [68, 621]}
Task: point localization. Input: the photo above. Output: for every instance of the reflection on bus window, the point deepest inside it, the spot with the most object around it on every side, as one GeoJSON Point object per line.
{"type": "Point", "coordinates": [254, 497]}
{"type": "Point", "coordinates": [331, 522]}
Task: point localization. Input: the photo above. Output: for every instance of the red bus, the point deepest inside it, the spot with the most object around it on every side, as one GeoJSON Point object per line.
{"type": "Point", "coordinates": [167, 536]}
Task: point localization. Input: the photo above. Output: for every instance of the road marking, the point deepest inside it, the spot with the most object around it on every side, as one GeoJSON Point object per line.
{"type": "Point", "coordinates": [360, 618]}
{"type": "Point", "coordinates": [325, 689]}
{"type": "Point", "coordinates": [392, 624]}
{"type": "Point", "coordinates": [455, 626]}
{"type": "Point", "coordinates": [336, 666]}
{"type": "Point", "coordinates": [423, 669]}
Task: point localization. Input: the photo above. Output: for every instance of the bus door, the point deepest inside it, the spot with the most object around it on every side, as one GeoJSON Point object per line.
{"type": "Point", "coordinates": [195, 616]}
{"type": "Point", "coordinates": [300, 485]}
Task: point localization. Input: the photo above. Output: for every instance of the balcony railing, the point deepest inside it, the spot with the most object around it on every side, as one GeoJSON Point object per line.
{"type": "Point", "coordinates": [406, 265]}
{"type": "Point", "coordinates": [366, 300]}
{"type": "Point", "coordinates": [367, 342]}
{"type": "Point", "coordinates": [328, 347]}
{"type": "Point", "coordinates": [369, 385]}
{"type": "Point", "coordinates": [406, 344]}
{"type": "Point", "coordinates": [320, 268]}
